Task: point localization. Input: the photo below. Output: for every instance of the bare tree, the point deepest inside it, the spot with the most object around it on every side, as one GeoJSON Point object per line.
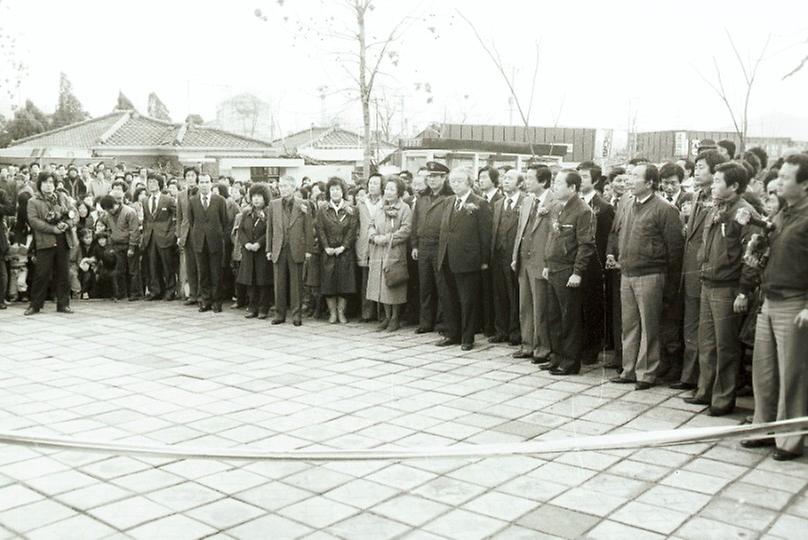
{"type": "Point", "coordinates": [799, 66]}
{"type": "Point", "coordinates": [493, 54]}
{"type": "Point", "coordinates": [371, 54]}
{"type": "Point", "coordinates": [739, 116]}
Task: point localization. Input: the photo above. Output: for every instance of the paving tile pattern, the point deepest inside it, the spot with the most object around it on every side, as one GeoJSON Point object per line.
{"type": "Point", "coordinates": [159, 373]}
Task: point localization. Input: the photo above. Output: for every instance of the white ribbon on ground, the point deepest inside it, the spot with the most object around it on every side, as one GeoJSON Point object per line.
{"type": "Point", "coordinates": [671, 437]}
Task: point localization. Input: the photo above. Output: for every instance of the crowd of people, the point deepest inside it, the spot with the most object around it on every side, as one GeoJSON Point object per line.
{"type": "Point", "coordinates": [686, 271]}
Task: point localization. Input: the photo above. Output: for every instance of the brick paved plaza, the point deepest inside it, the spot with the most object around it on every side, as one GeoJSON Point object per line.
{"type": "Point", "coordinates": [159, 373]}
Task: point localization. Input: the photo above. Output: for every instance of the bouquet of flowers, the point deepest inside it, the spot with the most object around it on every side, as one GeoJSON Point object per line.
{"type": "Point", "coordinates": [757, 251]}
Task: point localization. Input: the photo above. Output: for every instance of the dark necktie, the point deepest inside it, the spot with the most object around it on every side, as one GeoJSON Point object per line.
{"type": "Point", "coordinates": [458, 204]}
{"type": "Point", "coordinates": [509, 205]}
{"type": "Point", "coordinates": [153, 204]}
{"type": "Point", "coordinates": [205, 201]}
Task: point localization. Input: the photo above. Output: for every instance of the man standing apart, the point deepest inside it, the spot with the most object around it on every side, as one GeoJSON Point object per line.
{"type": "Point", "coordinates": [650, 247]}
{"type": "Point", "coordinates": [290, 242]}
{"type": "Point", "coordinates": [207, 217]}
{"type": "Point", "coordinates": [569, 249]}
{"type": "Point", "coordinates": [160, 240]}
{"type": "Point", "coordinates": [184, 241]}
{"type": "Point", "coordinates": [464, 248]}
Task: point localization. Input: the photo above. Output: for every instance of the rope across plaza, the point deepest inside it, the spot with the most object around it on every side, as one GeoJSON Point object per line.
{"type": "Point", "coordinates": [618, 441]}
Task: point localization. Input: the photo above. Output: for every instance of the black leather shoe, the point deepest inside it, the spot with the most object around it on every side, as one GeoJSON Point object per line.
{"type": "Point", "coordinates": [262, 316]}
{"type": "Point", "coordinates": [278, 321]}
{"type": "Point", "coordinates": [251, 315]}
{"type": "Point", "coordinates": [204, 308]}
{"type": "Point", "coordinates": [522, 354]}
{"type": "Point", "coordinates": [189, 302]}
{"type": "Point", "coordinates": [467, 346]}
{"type": "Point", "coordinates": [559, 371]}
{"type": "Point", "coordinates": [297, 322]}
{"type": "Point", "coordinates": [612, 365]}
{"type": "Point", "coordinates": [547, 366]}
{"type": "Point", "coordinates": [137, 298]}
{"type": "Point", "coordinates": [758, 443]}
{"type": "Point", "coordinates": [515, 342]}
{"type": "Point", "coordinates": [422, 330]}
{"type": "Point", "coordinates": [498, 339]}
{"type": "Point", "coordinates": [642, 385]}
{"type": "Point", "coordinates": [153, 297]}
{"type": "Point", "coordinates": [65, 310]}
{"type": "Point", "coordinates": [784, 455]}
{"type": "Point", "coordinates": [217, 308]}
{"type": "Point", "coordinates": [715, 411]}
{"type": "Point", "coordinates": [170, 297]}
{"type": "Point", "coordinates": [446, 342]}
{"type": "Point", "coordinates": [682, 386]}
{"type": "Point", "coordinates": [621, 380]}
{"type": "Point", "coordinates": [31, 311]}
{"type": "Point", "coordinates": [3, 305]}
{"type": "Point", "coordinates": [695, 401]}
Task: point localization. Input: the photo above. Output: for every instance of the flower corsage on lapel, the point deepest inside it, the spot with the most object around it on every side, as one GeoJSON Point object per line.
{"type": "Point", "coordinates": [470, 208]}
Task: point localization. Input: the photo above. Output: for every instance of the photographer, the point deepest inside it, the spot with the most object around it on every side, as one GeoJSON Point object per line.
{"type": "Point", "coordinates": [51, 217]}
{"type": "Point", "coordinates": [779, 370]}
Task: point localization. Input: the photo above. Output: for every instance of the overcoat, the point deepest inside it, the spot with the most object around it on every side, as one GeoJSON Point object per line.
{"type": "Point", "coordinates": [398, 228]}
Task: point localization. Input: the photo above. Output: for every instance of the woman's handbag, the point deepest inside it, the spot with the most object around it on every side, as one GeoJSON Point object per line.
{"type": "Point", "coordinates": [395, 272]}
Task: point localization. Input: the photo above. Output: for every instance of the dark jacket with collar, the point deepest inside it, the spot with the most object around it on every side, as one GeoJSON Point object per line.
{"type": "Point", "coordinates": [465, 235]}
{"type": "Point", "coordinates": [571, 241]}
{"type": "Point", "coordinates": [723, 248]}
{"type": "Point", "coordinates": [427, 216]}
{"type": "Point", "coordinates": [786, 275]}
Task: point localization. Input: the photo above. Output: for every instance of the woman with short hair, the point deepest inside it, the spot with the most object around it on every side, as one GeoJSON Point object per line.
{"type": "Point", "coordinates": [336, 230]}
{"type": "Point", "coordinates": [388, 235]}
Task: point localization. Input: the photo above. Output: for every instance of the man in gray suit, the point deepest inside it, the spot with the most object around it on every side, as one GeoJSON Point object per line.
{"type": "Point", "coordinates": [528, 263]}
{"type": "Point", "coordinates": [290, 241]}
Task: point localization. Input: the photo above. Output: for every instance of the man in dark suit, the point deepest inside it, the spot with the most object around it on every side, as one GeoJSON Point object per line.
{"type": "Point", "coordinates": [426, 223]}
{"type": "Point", "coordinates": [528, 263]}
{"type": "Point", "coordinates": [464, 249]}
{"type": "Point", "coordinates": [488, 183]}
{"type": "Point", "coordinates": [290, 241]}
{"type": "Point", "coordinates": [207, 217]}
{"type": "Point", "coordinates": [593, 290]}
{"type": "Point", "coordinates": [184, 240]}
{"type": "Point", "coordinates": [159, 240]}
{"type": "Point", "coordinates": [690, 284]}
{"type": "Point", "coordinates": [570, 245]}
{"type": "Point", "coordinates": [503, 237]}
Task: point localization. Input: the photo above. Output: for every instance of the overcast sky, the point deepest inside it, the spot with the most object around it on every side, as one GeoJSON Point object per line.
{"type": "Point", "coordinates": [599, 59]}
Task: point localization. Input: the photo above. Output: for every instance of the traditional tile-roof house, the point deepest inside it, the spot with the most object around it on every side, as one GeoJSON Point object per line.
{"type": "Point", "coordinates": [140, 140]}
{"type": "Point", "coordinates": [332, 145]}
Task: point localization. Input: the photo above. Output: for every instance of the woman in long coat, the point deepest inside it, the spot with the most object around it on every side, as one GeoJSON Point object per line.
{"type": "Point", "coordinates": [367, 207]}
{"type": "Point", "coordinates": [336, 229]}
{"type": "Point", "coordinates": [388, 237]}
{"type": "Point", "coordinates": [254, 270]}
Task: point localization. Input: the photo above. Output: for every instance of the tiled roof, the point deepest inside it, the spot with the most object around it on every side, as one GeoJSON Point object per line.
{"type": "Point", "coordinates": [323, 137]}
{"type": "Point", "coordinates": [135, 130]}
{"type": "Point", "coordinates": [83, 134]}
{"type": "Point", "coordinates": [141, 131]}
{"type": "Point", "coordinates": [198, 136]}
